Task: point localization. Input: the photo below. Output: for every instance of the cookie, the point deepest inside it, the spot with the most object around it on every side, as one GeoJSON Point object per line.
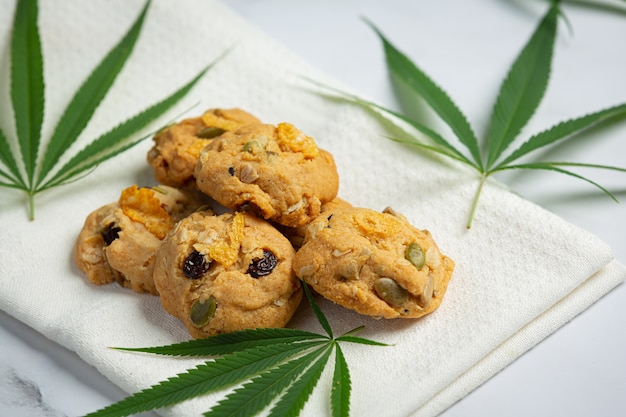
{"type": "Point", "coordinates": [176, 148]}
{"type": "Point", "coordinates": [374, 263]}
{"type": "Point", "coordinates": [276, 172]}
{"type": "Point", "coordinates": [296, 234]}
{"type": "Point", "coordinates": [118, 242]}
{"type": "Point", "coordinates": [224, 273]}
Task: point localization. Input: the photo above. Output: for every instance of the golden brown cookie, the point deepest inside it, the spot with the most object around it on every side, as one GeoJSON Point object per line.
{"type": "Point", "coordinates": [176, 148]}
{"type": "Point", "coordinates": [374, 263]}
{"type": "Point", "coordinates": [296, 234]}
{"type": "Point", "coordinates": [118, 241]}
{"type": "Point", "coordinates": [224, 273]}
{"type": "Point", "coordinates": [275, 172]}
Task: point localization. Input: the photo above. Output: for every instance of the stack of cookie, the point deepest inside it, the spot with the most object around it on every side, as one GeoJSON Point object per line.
{"type": "Point", "coordinates": [246, 210]}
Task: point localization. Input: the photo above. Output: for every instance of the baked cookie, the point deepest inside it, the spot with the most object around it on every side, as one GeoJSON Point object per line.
{"type": "Point", "coordinates": [176, 148]}
{"type": "Point", "coordinates": [276, 172]}
{"type": "Point", "coordinates": [296, 234]}
{"type": "Point", "coordinates": [374, 263]}
{"type": "Point", "coordinates": [118, 241]}
{"type": "Point", "coordinates": [224, 273]}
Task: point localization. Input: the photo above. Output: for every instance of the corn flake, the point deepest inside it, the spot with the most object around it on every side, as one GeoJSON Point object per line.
{"type": "Point", "coordinates": [292, 139]}
{"type": "Point", "coordinates": [377, 224]}
{"type": "Point", "coordinates": [141, 206]}
{"type": "Point", "coordinates": [226, 252]}
{"type": "Point", "coordinates": [213, 120]}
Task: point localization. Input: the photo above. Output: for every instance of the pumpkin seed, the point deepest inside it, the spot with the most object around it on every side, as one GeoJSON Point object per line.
{"type": "Point", "coordinates": [391, 292]}
{"type": "Point", "coordinates": [348, 272]}
{"type": "Point", "coordinates": [253, 145]}
{"type": "Point", "coordinates": [210, 132]}
{"type": "Point", "coordinates": [415, 254]}
{"type": "Point", "coordinates": [202, 311]}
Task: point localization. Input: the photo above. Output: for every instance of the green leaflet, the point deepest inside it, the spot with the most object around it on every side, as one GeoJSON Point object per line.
{"type": "Point", "coordinates": [27, 84]}
{"type": "Point", "coordinates": [360, 340]}
{"type": "Point", "coordinates": [28, 172]}
{"type": "Point", "coordinates": [564, 130]}
{"type": "Point", "coordinates": [294, 398]}
{"type": "Point", "coordinates": [84, 103]}
{"type": "Point", "coordinates": [210, 376]}
{"type": "Point", "coordinates": [111, 143]}
{"type": "Point", "coordinates": [231, 342]}
{"type": "Point", "coordinates": [402, 67]}
{"type": "Point", "coordinates": [318, 313]}
{"type": "Point", "coordinates": [6, 157]}
{"type": "Point", "coordinates": [443, 146]}
{"type": "Point", "coordinates": [523, 88]}
{"type": "Point", "coordinates": [257, 394]}
{"type": "Point", "coordinates": [519, 96]}
{"type": "Point", "coordinates": [556, 167]}
{"type": "Point", "coordinates": [278, 363]}
{"type": "Point", "coordinates": [341, 386]}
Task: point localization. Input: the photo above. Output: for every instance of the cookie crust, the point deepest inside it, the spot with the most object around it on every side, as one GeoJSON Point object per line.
{"type": "Point", "coordinates": [276, 172]}
{"type": "Point", "coordinates": [118, 241]}
{"type": "Point", "coordinates": [229, 246]}
{"type": "Point", "coordinates": [374, 263]}
{"type": "Point", "coordinates": [176, 149]}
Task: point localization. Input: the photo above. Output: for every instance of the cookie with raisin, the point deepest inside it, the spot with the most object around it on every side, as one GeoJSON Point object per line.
{"type": "Point", "coordinates": [224, 273]}
{"type": "Point", "coordinates": [375, 263]}
{"type": "Point", "coordinates": [276, 172]}
{"type": "Point", "coordinates": [176, 148]}
{"type": "Point", "coordinates": [118, 241]}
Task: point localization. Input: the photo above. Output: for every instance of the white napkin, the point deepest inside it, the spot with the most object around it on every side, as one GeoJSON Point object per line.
{"type": "Point", "coordinates": [521, 271]}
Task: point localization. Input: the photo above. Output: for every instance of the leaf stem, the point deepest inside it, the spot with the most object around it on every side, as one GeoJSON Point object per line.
{"type": "Point", "coordinates": [483, 179]}
{"type": "Point", "coordinates": [31, 205]}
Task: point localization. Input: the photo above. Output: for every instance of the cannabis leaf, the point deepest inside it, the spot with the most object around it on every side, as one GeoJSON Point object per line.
{"type": "Point", "coordinates": [519, 96]}
{"type": "Point", "coordinates": [28, 171]}
{"type": "Point", "coordinates": [278, 364]}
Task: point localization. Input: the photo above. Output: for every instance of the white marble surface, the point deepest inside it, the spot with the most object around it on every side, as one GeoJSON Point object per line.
{"type": "Point", "coordinates": [578, 371]}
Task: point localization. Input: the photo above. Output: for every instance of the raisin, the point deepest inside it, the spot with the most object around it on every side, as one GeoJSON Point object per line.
{"type": "Point", "coordinates": [110, 233]}
{"type": "Point", "coordinates": [251, 208]}
{"type": "Point", "coordinates": [261, 267]}
{"type": "Point", "coordinates": [195, 265]}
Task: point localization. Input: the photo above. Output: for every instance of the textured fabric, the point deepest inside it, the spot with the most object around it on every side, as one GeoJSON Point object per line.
{"type": "Point", "coordinates": [521, 272]}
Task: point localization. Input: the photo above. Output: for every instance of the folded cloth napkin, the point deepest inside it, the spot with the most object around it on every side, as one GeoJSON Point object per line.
{"type": "Point", "coordinates": [521, 272]}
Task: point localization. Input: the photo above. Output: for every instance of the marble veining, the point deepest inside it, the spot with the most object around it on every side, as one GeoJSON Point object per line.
{"type": "Point", "coordinates": [21, 396]}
